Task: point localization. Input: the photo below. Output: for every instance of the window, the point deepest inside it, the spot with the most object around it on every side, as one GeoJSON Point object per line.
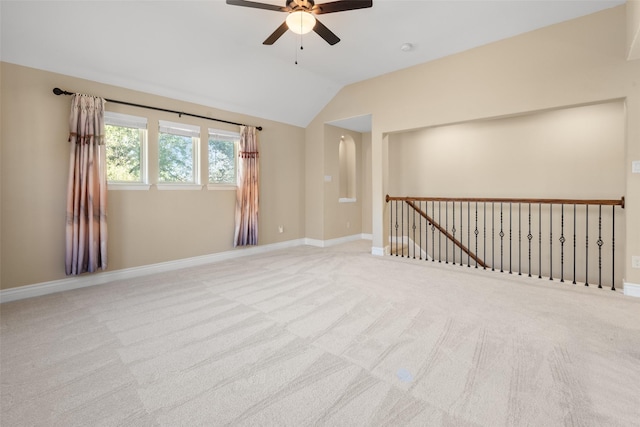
{"type": "Point", "coordinates": [178, 148]}
{"type": "Point", "coordinates": [126, 148]}
{"type": "Point", "coordinates": [222, 157]}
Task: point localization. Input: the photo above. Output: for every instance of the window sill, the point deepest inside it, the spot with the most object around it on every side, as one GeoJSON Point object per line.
{"type": "Point", "coordinates": [192, 187]}
{"type": "Point", "coordinates": [223, 187]}
{"type": "Point", "coordinates": [346, 200]}
{"type": "Point", "coordinates": [127, 187]}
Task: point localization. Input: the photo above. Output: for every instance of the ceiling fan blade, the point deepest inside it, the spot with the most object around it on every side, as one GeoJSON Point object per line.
{"type": "Point", "coordinates": [341, 6]}
{"type": "Point", "coordinates": [325, 33]}
{"type": "Point", "coordinates": [257, 5]}
{"type": "Point", "coordinates": [276, 34]}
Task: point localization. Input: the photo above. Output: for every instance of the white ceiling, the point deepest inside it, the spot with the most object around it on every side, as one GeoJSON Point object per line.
{"type": "Point", "coordinates": [211, 53]}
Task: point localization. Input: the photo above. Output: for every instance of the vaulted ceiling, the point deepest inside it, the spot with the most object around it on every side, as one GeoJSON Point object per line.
{"type": "Point", "coordinates": [211, 53]}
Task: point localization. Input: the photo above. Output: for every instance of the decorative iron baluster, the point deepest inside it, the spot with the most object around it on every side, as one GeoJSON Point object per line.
{"type": "Point", "coordinates": [501, 240]}
{"type": "Point", "coordinates": [453, 230]}
{"type": "Point", "coordinates": [574, 244]}
{"type": "Point", "coordinates": [408, 237]}
{"type": "Point", "coordinates": [420, 228]}
{"type": "Point", "coordinates": [613, 248]}
{"type": "Point", "coordinates": [529, 237]}
{"type": "Point", "coordinates": [539, 240]}
{"type": "Point", "coordinates": [476, 233]}
{"type": "Point", "coordinates": [586, 250]}
{"type": "Point", "coordinates": [519, 239]}
{"type": "Point", "coordinates": [493, 237]}
{"type": "Point", "coordinates": [446, 227]}
{"type": "Point", "coordinates": [469, 234]}
{"type": "Point", "coordinates": [414, 236]}
{"type": "Point", "coordinates": [550, 241]}
{"type": "Point", "coordinates": [433, 233]}
{"type": "Point", "coordinates": [439, 233]}
{"type": "Point", "coordinates": [562, 243]}
{"type": "Point", "coordinates": [510, 226]}
{"type": "Point", "coordinates": [396, 239]}
{"type": "Point", "coordinates": [600, 243]}
{"type": "Point", "coordinates": [402, 229]}
{"type": "Point", "coordinates": [484, 233]}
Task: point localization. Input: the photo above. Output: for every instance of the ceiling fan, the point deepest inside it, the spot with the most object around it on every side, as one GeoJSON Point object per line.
{"type": "Point", "coordinates": [301, 18]}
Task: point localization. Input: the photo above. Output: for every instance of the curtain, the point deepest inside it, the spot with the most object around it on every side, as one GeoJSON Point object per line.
{"type": "Point", "coordinates": [86, 220]}
{"type": "Point", "coordinates": [246, 231]}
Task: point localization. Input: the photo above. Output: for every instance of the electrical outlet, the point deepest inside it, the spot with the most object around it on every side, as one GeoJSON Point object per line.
{"type": "Point", "coordinates": [281, 229]}
{"type": "Point", "coordinates": [635, 261]}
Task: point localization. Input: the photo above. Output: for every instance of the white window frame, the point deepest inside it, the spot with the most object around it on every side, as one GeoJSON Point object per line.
{"type": "Point", "coordinates": [136, 122]}
{"type": "Point", "coordinates": [181, 129]}
{"type": "Point", "coordinates": [236, 140]}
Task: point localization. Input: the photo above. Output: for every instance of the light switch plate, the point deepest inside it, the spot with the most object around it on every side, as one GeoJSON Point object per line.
{"type": "Point", "coordinates": [635, 166]}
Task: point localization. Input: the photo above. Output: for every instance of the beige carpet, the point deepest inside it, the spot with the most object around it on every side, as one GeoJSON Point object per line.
{"type": "Point", "coordinates": [330, 337]}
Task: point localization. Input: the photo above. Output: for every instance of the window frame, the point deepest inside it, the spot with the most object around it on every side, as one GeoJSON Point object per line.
{"type": "Point", "coordinates": [235, 138]}
{"type": "Point", "coordinates": [184, 130]}
{"type": "Point", "coordinates": [112, 118]}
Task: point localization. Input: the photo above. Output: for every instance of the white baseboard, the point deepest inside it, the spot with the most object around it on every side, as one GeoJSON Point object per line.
{"type": "Point", "coordinates": [86, 280]}
{"type": "Point", "coordinates": [631, 289]}
{"type": "Point", "coordinates": [337, 241]}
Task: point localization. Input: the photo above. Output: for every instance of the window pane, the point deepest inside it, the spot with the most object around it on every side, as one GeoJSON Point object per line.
{"type": "Point", "coordinates": [222, 162]}
{"type": "Point", "coordinates": [176, 158]}
{"type": "Point", "coordinates": [123, 151]}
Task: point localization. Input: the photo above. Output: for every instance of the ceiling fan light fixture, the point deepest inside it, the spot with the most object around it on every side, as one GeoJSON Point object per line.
{"type": "Point", "coordinates": [301, 22]}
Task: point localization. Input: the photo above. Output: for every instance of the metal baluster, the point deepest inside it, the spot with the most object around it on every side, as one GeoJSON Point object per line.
{"type": "Point", "coordinates": [574, 244]}
{"type": "Point", "coordinates": [461, 233]}
{"type": "Point", "coordinates": [440, 233]}
{"type": "Point", "coordinates": [446, 227]}
{"type": "Point", "coordinates": [539, 240]}
{"type": "Point", "coordinates": [476, 234]}
{"type": "Point", "coordinates": [600, 243]}
{"type": "Point", "coordinates": [408, 236]}
{"type": "Point", "coordinates": [453, 229]}
{"type": "Point", "coordinates": [562, 240]}
{"type": "Point", "coordinates": [469, 234]}
{"type": "Point", "coordinates": [501, 240]}
{"type": "Point", "coordinates": [396, 239]}
{"type": "Point", "coordinates": [551, 242]}
{"type": "Point", "coordinates": [510, 226]}
{"type": "Point", "coordinates": [586, 251]}
{"type": "Point", "coordinates": [402, 228]}
{"type": "Point", "coordinates": [613, 248]}
{"type": "Point", "coordinates": [519, 239]}
{"type": "Point", "coordinates": [529, 237]}
{"type": "Point", "coordinates": [420, 227]}
{"type": "Point", "coordinates": [493, 237]}
{"type": "Point", "coordinates": [484, 234]}
{"type": "Point", "coordinates": [413, 211]}
{"type": "Point", "coordinates": [433, 231]}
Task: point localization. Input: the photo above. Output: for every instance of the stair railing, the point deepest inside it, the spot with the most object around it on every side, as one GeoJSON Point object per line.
{"type": "Point", "coordinates": [554, 239]}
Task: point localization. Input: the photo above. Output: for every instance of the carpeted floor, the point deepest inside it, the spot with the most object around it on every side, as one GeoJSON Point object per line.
{"type": "Point", "coordinates": [331, 337]}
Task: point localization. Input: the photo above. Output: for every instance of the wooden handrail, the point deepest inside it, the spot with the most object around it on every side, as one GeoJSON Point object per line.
{"type": "Point", "coordinates": [447, 234]}
{"type": "Point", "coordinates": [511, 200]}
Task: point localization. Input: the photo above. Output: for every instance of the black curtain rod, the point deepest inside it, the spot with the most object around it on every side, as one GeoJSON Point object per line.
{"type": "Point", "coordinates": [59, 91]}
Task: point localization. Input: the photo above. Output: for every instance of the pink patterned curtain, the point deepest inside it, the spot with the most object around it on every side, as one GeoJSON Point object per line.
{"type": "Point", "coordinates": [246, 232]}
{"type": "Point", "coordinates": [86, 230]}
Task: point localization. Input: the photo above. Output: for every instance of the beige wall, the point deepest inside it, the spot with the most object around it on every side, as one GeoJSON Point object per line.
{"type": "Point", "coordinates": [577, 62]}
{"type": "Point", "coordinates": [145, 227]}
{"type": "Point", "coordinates": [633, 29]}
{"type": "Point", "coordinates": [569, 153]}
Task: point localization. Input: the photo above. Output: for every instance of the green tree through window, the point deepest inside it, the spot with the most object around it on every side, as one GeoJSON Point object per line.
{"type": "Point", "coordinates": [176, 158]}
{"type": "Point", "coordinates": [123, 152]}
{"type": "Point", "coordinates": [222, 161]}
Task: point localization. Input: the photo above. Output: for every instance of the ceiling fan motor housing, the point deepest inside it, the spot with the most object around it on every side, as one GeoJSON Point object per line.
{"type": "Point", "coordinates": [306, 5]}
